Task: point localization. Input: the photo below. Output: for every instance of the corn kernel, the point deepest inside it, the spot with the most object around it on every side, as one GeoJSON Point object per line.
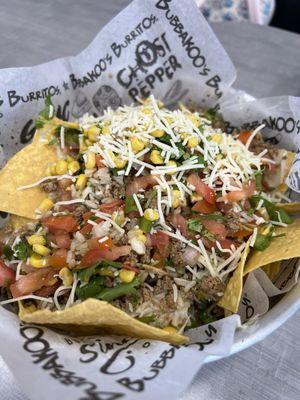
{"type": "Point", "coordinates": [90, 161]}
{"type": "Point", "coordinates": [266, 230]}
{"type": "Point", "coordinates": [61, 167]}
{"type": "Point", "coordinates": [106, 271]}
{"type": "Point", "coordinates": [66, 276]}
{"type": "Point", "coordinates": [171, 164]}
{"type": "Point", "coordinates": [196, 197]}
{"type": "Point", "coordinates": [73, 167]}
{"type": "Point", "coordinates": [147, 111]}
{"type": "Point", "coordinates": [70, 159]}
{"type": "Point", "coordinates": [36, 239]}
{"type": "Point", "coordinates": [156, 158]}
{"type": "Point", "coordinates": [119, 163]}
{"type": "Point", "coordinates": [217, 138]}
{"type": "Point", "coordinates": [170, 329]}
{"type": "Point", "coordinates": [137, 144]}
{"type": "Point", "coordinates": [176, 198]}
{"type": "Point", "coordinates": [46, 205]}
{"type": "Point", "coordinates": [118, 217]}
{"type": "Point", "coordinates": [158, 133]}
{"type": "Point", "coordinates": [192, 142]}
{"type": "Point", "coordinates": [106, 130]}
{"type": "Point", "coordinates": [81, 182]}
{"type": "Point", "coordinates": [169, 120]}
{"type": "Point", "coordinates": [219, 157]}
{"type": "Point", "coordinates": [93, 132]}
{"type": "Point", "coordinates": [126, 275]}
{"type": "Point", "coordinates": [184, 135]}
{"type": "Point", "coordinates": [37, 261]}
{"type": "Point", "coordinates": [88, 143]}
{"type": "Point", "coordinates": [194, 119]}
{"type": "Point", "coordinates": [142, 238]}
{"type": "Point", "coordinates": [82, 146]}
{"type": "Point", "coordinates": [151, 215]}
{"type": "Point", "coordinates": [41, 250]}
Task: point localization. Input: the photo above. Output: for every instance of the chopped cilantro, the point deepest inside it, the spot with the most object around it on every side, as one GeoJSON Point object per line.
{"type": "Point", "coordinates": [46, 114]}
{"type": "Point", "coordinates": [8, 252]}
{"type": "Point", "coordinates": [22, 250]}
{"type": "Point", "coordinates": [194, 225]}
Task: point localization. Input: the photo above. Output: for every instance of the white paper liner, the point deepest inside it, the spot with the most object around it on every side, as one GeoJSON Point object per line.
{"type": "Point", "coordinates": [164, 47]}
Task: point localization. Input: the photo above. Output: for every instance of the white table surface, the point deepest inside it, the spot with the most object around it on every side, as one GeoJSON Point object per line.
{"type": "Point", "coordinates": [268, 64]}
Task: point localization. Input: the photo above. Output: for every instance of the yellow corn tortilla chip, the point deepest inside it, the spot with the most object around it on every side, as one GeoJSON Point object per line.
{"type": "Point", "coordinates": [281, 248]}
{"type": "Point", "coordinates": [95, 316]}
{"type": "Point", "coordinates": [272, 269]}
{"type": "Point", "coordinates": [233, 292]}
{"type": "Point", "coordinates": [24, 168]}
{"type": "Point", "coordinates": [290, 207]}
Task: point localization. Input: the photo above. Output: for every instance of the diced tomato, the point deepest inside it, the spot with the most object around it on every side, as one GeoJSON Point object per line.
{"type": "Point", "coordinates": [238, 195]}
{"type": "Point", "coordinates": [204, 207]}
{"type": "Point", "coordinates": [95, 244]}
{"type": "Point", "coordinates": [32, 282]}
{"type": "Point", "coordinates": [241, 234]}
{"type": "Point", "coordinates": [95, 255]}
{"type": "Point", "coordinates": [86, 216]}
{"type": "Point", "coordinates": [225, 243]}
{"type": "Point", "coordinates": [202, 188]}
{"type": "Point", "coordinates": [7, 275]}
{"type": "Point", "coordinates": [64, 183]}
{"type": "Point", "coordinates": [66, 223]}
{"type": "Point", "coordinates": [215, 227]}
{"type": "Point", "coordinates": [86, 229]}
{"type": "Point", "coordinates": [62, 240]}
{"type": "Point", "coordinates": [161, 241]}
{"type": "Point", "coordinates": [128, 265]}
{"type": "Point", "coordinates": [142, 182]}
{"type": "Point", "coordinates": [179, 222]}
{"type": "Point", "coordinates": [160, 260]}
{"type": "Point", "coordinates": [46, 291]}
{"type": "Point", "coordinates": [109, 208]}
{"type": "Point", "coordinates": [59, 259]}
{"type": "Point", "coordinates": [244, 136]}
{"type": "Point", "coordinates": [99, 162]}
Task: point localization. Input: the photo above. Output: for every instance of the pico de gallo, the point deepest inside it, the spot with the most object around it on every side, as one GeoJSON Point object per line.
{"type": "Point", "coordinates": [147, 208]}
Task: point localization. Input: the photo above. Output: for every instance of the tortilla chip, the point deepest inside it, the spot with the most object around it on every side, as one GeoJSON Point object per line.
{"type": "Point", "coordinates": [233, 292]}
{"type": "Point", "coordinates": [95, 316]}
{"type": "Point", "coordinates": [272, 269]}
{"type": "Point", "coordinates": [24, 168]}
{"type": "Point", "coordinates": [290, 207]}
{"type": "Point", "coordinates": [281, 248]}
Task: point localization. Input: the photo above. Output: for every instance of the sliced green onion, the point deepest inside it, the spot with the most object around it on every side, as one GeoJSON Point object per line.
{"type": "Point", "coordinates": [123, 289]}
{"type": "Point", "coordinates": [92, 289]}
{"type": "Point", "coordinates": [194, 225]}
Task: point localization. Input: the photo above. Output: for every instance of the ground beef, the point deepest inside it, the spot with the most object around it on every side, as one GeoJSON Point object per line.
{"type": "Point", "coordinates": [176, 252]}
{"type": "Point", "coordinates": [108, 282]}
{"type": "Point", "coordinates": [146, 258]}
{"type": "Point", "coordinates": [131, 224]}
{"type": "Point", "coordinates": [115, 190]}
{"type": "Point", "coordinates": [123, 240]}
{"type": "Point", "coordinates": [233, 222]}
{"type": "Point", "coordinates": [79, 211]}
{"type": "Point", "coordinates": [49, 186]}
{"type": "Point", "coordinates": [210, 287]}
{"type": "Point", "coordinates": [145, 294]}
